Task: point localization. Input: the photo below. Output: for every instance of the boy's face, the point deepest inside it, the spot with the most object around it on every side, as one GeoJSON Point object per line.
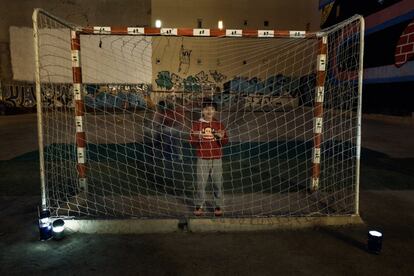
{"type": "Point", "coordinates": [208, 112]}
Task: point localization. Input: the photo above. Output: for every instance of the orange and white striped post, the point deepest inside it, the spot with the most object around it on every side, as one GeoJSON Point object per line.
{"type": "Point", "coordinates": [318, 111]}
{"type": "Point", "coordinates": [79, 110]}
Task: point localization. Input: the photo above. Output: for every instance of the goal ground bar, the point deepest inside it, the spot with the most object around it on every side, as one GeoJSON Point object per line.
{"type": "Point", "coordinates": [142, 226]}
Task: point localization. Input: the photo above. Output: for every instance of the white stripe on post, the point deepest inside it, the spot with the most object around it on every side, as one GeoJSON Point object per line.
{"type": "Point", "coordinates": [317, 125]}
{"type": "Point", "coordinates": [316, 153]}
{"type": "Point", "coordinates": [101, 30]}
{"type": "Point", "coordinates": [77, 91]}
{"type": "Point", "coordinates": [81, 155]}
{"type": "Point", "coordinates": [321, 62]}
{"type": "Point", "coordinates": [297, 34]}
{"type": "Point", "coordinates": [315, 183]}
{"type": "Point", "coordinates": [79, 123]}
{"type": "Point", "coordinates": [83, 184]}
{"type": "Point", "coordinates": [265, 33]}
{"type": "Point", "coordinates": [135, 31]}
{"type": "Point", "coordinates": [75, 58]}
{"type": "Point", "coordinates": [234, 33]}
{"type": "Point", "coordinates": [168, 31]}
{"type": "Point", "coordinates": [320, 92]}
{"type": "Point", "coordinates": [201, 32]}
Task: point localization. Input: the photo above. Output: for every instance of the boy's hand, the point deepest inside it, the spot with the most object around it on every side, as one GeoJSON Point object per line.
{"type": "Point", "coordinates": [220, 134]}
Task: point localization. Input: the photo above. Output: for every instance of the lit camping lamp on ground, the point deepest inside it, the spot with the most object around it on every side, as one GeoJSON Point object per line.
{"type": "Point", "coordinates": [374, 241]}
{"type": "Point", "coordinates": [45, 226]}
{"type": "Point", "coordinates": [58, 229]}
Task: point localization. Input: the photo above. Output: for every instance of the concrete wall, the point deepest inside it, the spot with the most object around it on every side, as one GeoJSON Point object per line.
{"type": "Point", "coordinates": [225, 58]}
{"type": "Point", "coordinates": [214, 61]}
{"type": "Point", "coordinates": [92, 12]}
{"type": "Point", "coordinates": [294, 15]}
{"type": "Point", "coordinates": [286, 14]}
{"type": "Point", "coordinates": [105, 59]}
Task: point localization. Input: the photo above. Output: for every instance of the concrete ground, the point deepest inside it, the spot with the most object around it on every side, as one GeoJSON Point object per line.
{"type": "Point", "coordinates": [387, 204]}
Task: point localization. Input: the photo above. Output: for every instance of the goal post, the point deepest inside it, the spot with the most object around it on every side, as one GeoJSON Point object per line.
{"type": "Point", "coordinates": [117, 107]}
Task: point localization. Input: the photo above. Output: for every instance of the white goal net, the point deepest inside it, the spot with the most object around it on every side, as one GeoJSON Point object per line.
{"type": "Point", "coordinates": [125, 128]}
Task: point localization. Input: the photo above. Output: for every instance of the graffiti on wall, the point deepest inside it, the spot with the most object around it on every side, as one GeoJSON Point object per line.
{"type": "Point", "coordinates": [22, 95]}
{"type": "Point", "coordinates": [194, 83]}
{"type": "Point", "coordinates": [164, 81]}
{"type": "Point", "coordinates": [229, 101]}
{"type": "Point", "coordinates": [405, 45]}
{"type": "Point", "coordinates": [185, 60]}
{"type": "Point", "coordinates": [217, 76]}
{"type": "Point", "coordinates": [19, 95]}
{"type": "Point", "coordinates": [57, 95]}
{"type": "Point", "coordinates": [116, 96]}
{"type": "Point", "coordinates": [239, 91]}
{"type": "Point", "coordinates": [277, 85]}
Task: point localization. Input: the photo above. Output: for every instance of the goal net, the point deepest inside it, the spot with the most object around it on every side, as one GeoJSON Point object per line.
{"type": "Point", "coordinates": [119, 109]}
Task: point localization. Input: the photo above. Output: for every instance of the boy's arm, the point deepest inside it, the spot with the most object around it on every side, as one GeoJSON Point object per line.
{"type": "Point", "coordinates": [225, 139]}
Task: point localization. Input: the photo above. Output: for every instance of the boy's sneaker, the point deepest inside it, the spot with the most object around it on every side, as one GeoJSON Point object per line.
{"type": "Point", "coordinates": [218, 212]}
{"type": "Point", "coordinates": [198, 211]}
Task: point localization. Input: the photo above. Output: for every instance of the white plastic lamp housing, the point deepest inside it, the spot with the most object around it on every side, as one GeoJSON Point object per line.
{"type": "Point", "coordinates": [374, 243]}
{"type": "Point", "coordinates": [45, 227]}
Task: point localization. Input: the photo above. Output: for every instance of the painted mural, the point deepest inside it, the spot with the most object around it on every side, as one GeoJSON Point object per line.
{"type": "Point", "coordinates": [388, 69]}
{"type": "Point", "coordinates": [243, 92]}
{"type": "Point", "coordinates": [110, 96]}
{"type": "Point", "coordinates": [19, 95]}
{"type": "Point", "coordinates": [201, 81]}
{"type": "Point", "coordinates": [22, 95]}
{"type": "Point", "coordinates": [185, 60]}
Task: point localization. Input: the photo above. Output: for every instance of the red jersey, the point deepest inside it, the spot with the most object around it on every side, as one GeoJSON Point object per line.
{"type": "Point", "coordinates": [208, 146]}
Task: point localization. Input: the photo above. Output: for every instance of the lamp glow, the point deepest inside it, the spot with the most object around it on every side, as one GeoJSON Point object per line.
{"type": "Point", "coordinates": [375, 233]}
{"type": "Point", "coordinates": [158, 23]}
{"type": "Point", "coordinates": [220, 24]}
{"type": "Point", "coordinates": [58, 228]}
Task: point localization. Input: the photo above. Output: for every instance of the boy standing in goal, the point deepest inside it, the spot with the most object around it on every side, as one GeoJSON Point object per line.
{"type": "Point", "coordinates": [208, 136]}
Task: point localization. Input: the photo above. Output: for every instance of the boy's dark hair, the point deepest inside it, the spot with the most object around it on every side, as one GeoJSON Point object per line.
{"type": "Point", "coordinates": [208, 102]}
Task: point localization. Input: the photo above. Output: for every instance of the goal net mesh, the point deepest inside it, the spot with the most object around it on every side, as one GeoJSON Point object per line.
{"type": "Point", "coordinates": [143, 94]}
